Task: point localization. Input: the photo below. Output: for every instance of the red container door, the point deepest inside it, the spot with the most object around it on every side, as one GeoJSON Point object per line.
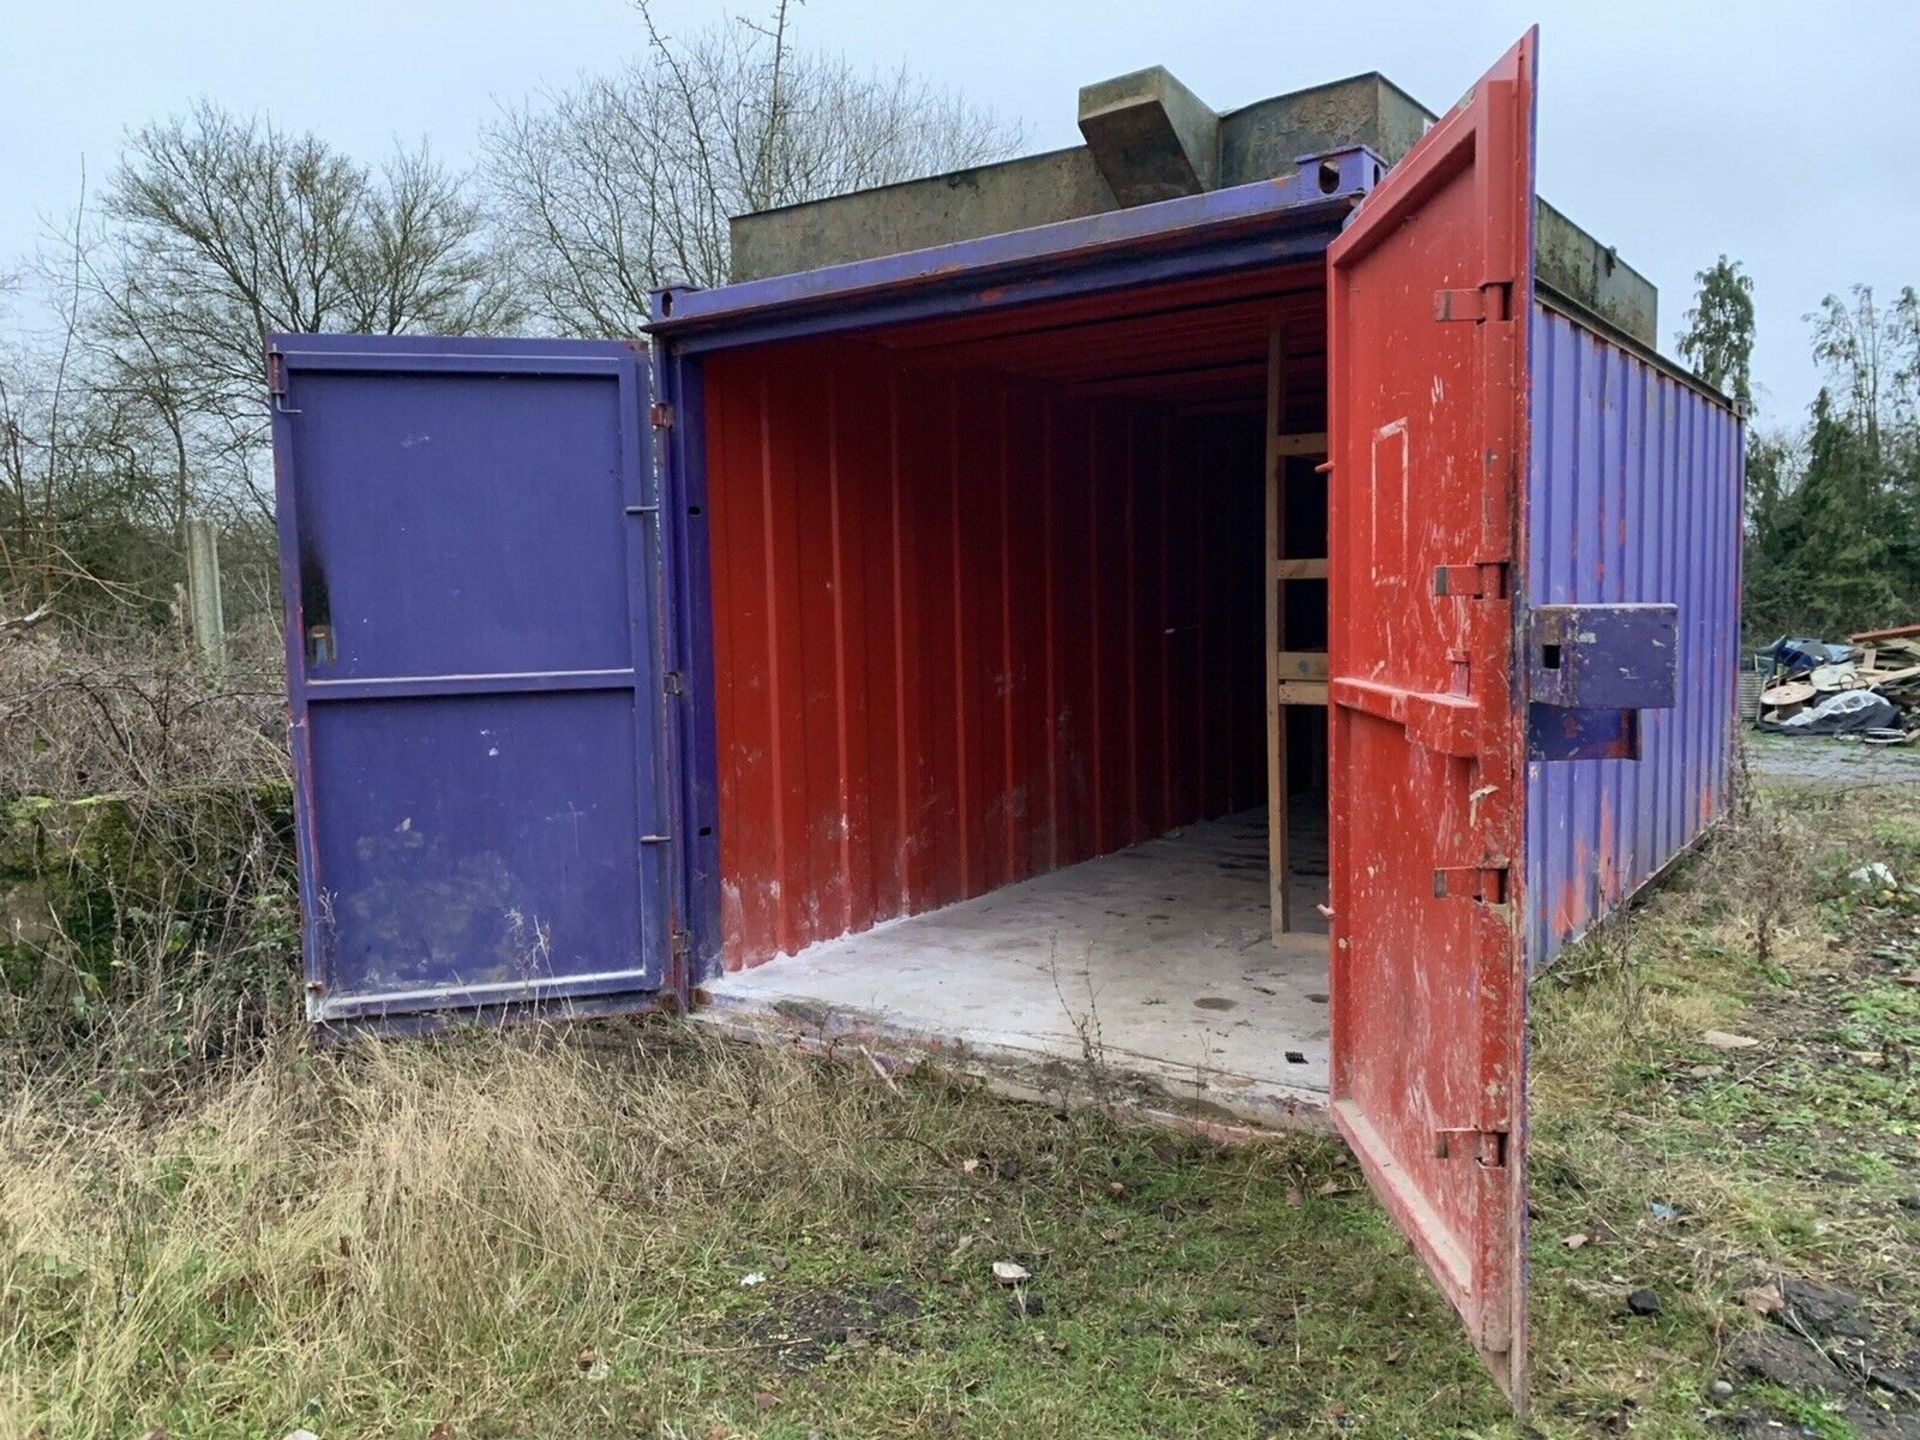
{"type": "Point", "coordinates": [1430, 289]}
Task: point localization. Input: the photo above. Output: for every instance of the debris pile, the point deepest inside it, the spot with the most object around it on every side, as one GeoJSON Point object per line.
{"type": "Point", "coordinates": [1867, 689]}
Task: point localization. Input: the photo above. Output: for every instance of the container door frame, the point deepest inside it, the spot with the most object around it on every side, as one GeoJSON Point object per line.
{"type": "Point", "coordinates": [1215, 234]}
{"type": "Point", "coordinates": [1430, 294]}
{"type": "Point", "coordinates": [655, 972]}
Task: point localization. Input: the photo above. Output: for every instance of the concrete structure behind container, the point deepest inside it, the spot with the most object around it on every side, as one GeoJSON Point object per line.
{"type": "Point", "coordinates": [1149, 138]}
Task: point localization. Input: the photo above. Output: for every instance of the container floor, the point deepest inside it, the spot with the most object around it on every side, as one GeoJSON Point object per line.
{"type": "Point", "coordinates": [1146, 979]}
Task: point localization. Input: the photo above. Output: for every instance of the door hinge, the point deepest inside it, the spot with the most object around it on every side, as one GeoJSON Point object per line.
{"type": "Point", "coordinates": [277, 382]}
{"type": "Point", "coordinates": [1485, 1147]}
{"type": "Point", "coordinates": [672, 684]}
{"type": "Point", "coordinates": [1492, 301]}
{"type": "Point", "coordinates": [679, 944]}
{"type": "Point", "coordinates": [661, 413]}
{"type": "Point", "coordinates": [1485, 883]}
{"type": "Point", "coordinates": [1484, 581]}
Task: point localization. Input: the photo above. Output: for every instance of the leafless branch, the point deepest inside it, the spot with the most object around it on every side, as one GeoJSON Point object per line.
{"type": "Point", "coordinates": [626, 182]}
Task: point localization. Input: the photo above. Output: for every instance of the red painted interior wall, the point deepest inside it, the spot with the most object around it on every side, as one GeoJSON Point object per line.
{"type": "Point", "coordinates": [967, 628]}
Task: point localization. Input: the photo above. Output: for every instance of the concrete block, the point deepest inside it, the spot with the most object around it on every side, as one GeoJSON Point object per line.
{"type": "Point", "coordinates": [1569, 260]}
{"type": "Point", "coordinates": [917, 214]}
{"type": "Point", "coordinates": [1152, 138]}
{"type": "Point", "coordinates": [1150, 132]}
{"type": "Point", "coordinates": [1262, 140]}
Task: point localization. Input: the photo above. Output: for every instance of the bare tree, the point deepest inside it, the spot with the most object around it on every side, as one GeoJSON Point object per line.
{"type": "Point", "coordinates": [626, 182]}
{"type": "Point", "coordinates": [76, 493]}
{"type": "Point", "coordinates": [223, 229]}
{"type": "Point", "coordinates": [69, 451]}
{"type": "Point", "coordinates": [142, 400]}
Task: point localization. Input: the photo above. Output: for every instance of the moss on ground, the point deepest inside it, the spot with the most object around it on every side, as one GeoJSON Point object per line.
{"type": "Point", "coordinates": [86, 885]}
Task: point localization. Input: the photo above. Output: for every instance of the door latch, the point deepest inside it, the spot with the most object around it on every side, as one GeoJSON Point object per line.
{"type": "Point", "coordinates": [1485, 581]}
{"type": "Point", "coordinates": [1485, 883]}
{"type": "Point", "coordinates": [1484, 1147]}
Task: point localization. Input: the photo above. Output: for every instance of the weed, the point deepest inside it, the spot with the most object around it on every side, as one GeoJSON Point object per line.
{"type": "Point", "coordinates": [547, 1231]}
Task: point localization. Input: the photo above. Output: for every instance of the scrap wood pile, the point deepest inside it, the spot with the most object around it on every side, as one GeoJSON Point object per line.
{"type": "Point", "coordinates": [1867, 689]}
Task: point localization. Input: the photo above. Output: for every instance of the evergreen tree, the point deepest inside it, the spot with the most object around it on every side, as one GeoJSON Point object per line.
{"type": "Point", "coordinates": [1845, 552]}
{"type": "Point", "coordinates": [1718, 340]}
{"type": "Point", "coordinates": [1775, 600]}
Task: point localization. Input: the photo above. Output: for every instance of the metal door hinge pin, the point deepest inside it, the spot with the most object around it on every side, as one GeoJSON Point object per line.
{"type": "Point", "coordinates": [661, 413]}
{"type": "Point", "coordinates": [277, 382]}
{"type": "Point", "coordinates": [1493, 301]}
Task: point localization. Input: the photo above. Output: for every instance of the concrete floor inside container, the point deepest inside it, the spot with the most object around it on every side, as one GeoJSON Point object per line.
{"type": "Point", "coordinates": [1007, 685]}
{"type": "Point", "coordinates": [1148, 978]}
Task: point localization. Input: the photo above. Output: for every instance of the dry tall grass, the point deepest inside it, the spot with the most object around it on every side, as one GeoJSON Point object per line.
{"type": "Point", "coordinates": [81, 716]}
{"type": "Point", "coordinates": [522, 1231]}
{"type": "Point", "coordinates": [1748, 894]}
{"type": "Point", "coordinates": [480, 1220]}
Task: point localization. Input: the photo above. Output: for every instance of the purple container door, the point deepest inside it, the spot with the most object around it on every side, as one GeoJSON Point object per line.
{"type": "Point", "coordinates": [1634, 503]}
{"type": "Point", "coordinates": [470, 561]}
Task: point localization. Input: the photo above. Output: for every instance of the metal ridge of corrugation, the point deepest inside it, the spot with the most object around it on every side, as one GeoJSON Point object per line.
{"type": "Point", "coordinates": [1591, 319]}
{"type": "Point", "coordinates": [1634, 495]}
{"type": "Point", "coordinates": [1323, 193]}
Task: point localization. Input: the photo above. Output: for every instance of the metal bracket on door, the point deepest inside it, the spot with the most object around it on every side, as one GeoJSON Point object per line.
{"type": "Point", "coordinates": [277, 382]}
{"type": "Point", "coordinates": [1445, 723]}
{"type": "Point", "coordinates": [1484, 581]}
{"type": "Point", "coordinates": [1493, 301]}
{"type": "Point", "coordinates": [1591, 670]}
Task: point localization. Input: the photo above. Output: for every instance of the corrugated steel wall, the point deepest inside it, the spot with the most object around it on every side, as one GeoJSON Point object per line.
{"type": "Point", "coordinates": [1634, 494]}
{"type": "Point", "coordinates": [967, 628]}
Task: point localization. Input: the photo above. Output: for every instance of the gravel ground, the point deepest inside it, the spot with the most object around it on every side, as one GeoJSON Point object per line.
{"type": "Point", "coordinates": [1815, 760]}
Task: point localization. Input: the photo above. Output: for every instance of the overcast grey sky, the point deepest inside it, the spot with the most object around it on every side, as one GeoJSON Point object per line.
{"type": "Point", "coordinates": [1780, 133]}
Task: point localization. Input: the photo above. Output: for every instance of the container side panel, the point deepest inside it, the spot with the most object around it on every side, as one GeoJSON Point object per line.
{"type": "Point", "coordinates": [1633, 497]}
{"type": "Point", "coordinates": [1180, 535]}
{"type": "Point", "coordinates": [1024, 654]}
{"type": "Point", "coordinates": [967, 629]}
{"type": "Point", "coordinates": [856, 454]}
{"type": "Point", "coordinates": [874, 483]}
{"type": "Point", "coordinates": [743, 686]}
{"type": "Point", "coordinates": [1072, 455]}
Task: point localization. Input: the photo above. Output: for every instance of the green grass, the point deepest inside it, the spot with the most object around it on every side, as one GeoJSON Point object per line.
{"type": "Point", "coordinates": [547, 1234]}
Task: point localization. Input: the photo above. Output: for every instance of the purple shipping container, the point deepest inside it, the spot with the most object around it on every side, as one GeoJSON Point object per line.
{"type": "Point", "coordinates": [1633, 496]}
{"type": "Point", "coordinates": [892, 653]}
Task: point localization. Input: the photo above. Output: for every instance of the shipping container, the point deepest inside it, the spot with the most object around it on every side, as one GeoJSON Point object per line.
{"type": "Point", "coordinates": [1222, 644]}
